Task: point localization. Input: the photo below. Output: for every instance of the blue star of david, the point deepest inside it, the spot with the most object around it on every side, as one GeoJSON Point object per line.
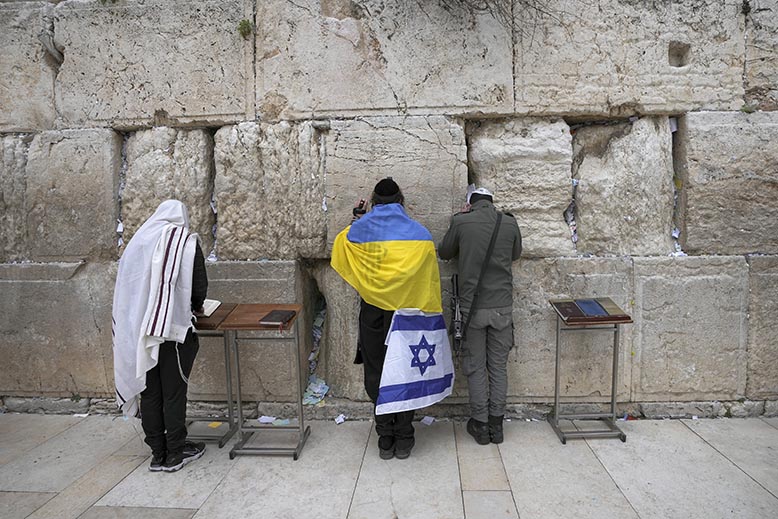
{"type": "Point", "coordinates": [416, 349]}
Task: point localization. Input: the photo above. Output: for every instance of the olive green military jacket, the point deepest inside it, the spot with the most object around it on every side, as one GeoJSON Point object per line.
{"type": "Point", "coordinates": [467, 239]}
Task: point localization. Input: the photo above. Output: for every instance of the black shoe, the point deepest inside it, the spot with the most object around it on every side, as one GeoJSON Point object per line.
{"type": "Point", "coordinates": [479, 431]}
{"type": "Point", "coordinates": [495, 429]}
{"type": "Point", "coordinates": [403, 448]}
{"type": "Point", "coordinates": [386, 447]}
{"type": "Point", "coordinates": [191, 451]}
{"type": "Point", "coordinates": [157, 462]}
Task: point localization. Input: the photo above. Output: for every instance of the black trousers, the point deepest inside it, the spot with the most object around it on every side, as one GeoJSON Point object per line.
{"type": "Point", "coordinates": [163, 402]}
{"type": "Point", "coordinates": [374, 326]}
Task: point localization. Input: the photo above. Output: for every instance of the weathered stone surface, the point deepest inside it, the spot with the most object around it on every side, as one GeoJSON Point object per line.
{"type": "Point", "coordinates": [656, 410]}
{"type": "Point", "coordinates": [526, 164]}
{"type": "Point", "coordinates": [629, 56]}
{"type": "Point", "coordinates": [763, 328]}
{"type": "Point", "coordinates": [624, 199]}
{"type": "Point", "coordinates": [164, 163]}
{"type": "Point", "coordinates": [47, 405]}
{"type": "Point", "coordinates": [189, 65]}
{"type": "Point", "coordinates": [71, 196]}
{"type": "Point", "coordinates": [587, 358]}
{"type": "Point", "coordinates": [27, 84]}
{"type": "Point", "coordinates": [13, 184]}
{"type": "Point", "coordinates": [343, 57]}
{"type": "Point", "coordinates": [731, 178]}
{"type": "Point", "coordinates": [55, 337]}
{"type": "Point", "coordinates": [746, 409]}
{"type": "Point", "coordinates": [690, 328]}
{"type": "Point", "coordinates": [267, 366]}
{"type": "Point", "coordinates": [771, 408]}
{"type": "Point", "coordinates": [425, 155]}
{"type": "Point", "coordinates": [340, 334]}
{"type": "Point", "coordinates": [270, 191]}
{"type": "Point", "coordinates": [761, 49]}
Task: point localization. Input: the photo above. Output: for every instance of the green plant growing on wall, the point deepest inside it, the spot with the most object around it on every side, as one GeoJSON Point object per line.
{"type": "Point", "coordinates": [245, 28]}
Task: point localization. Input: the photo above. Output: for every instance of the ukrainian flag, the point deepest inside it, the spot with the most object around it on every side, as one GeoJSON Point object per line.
{"type": "Point", "coordinates": [390, 260]}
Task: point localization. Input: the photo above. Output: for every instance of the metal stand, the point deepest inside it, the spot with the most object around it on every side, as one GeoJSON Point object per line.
{"type": "Point", "coordinates": [247, 431]}
{"type": "Point", "coordinates": [233, 425]}
{"type": "Point", "coordinates": [609, 419]}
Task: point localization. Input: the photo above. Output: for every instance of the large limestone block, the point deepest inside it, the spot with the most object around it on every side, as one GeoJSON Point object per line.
{"type": "Point", "coordinates": [526, 163]}
{"type": "Point", "coordinates": [690, 328]}
{"type": "Point", "coordinates": [624, 199]}
{"type": "Point", "coordinates": [763, 328]}
{"type": "Point", "coordinates": [344, 57]}
{"type": "Point", "coordinates": [761, 51]}
{"type": "Point", "coordinates": [72, 185]}
{"type": "Point", "coordinates": [270, 191]}
{"type": "Point", "coordinates": [267, 367]}
{"type": "Point", "coordinates": [425, 155]}
{"type": "Point", "coordinates": [13, 184]}
{"type": "Point", "coordinates": [164, 163]}
{"type": "Point", "coordinates": [587, 358]}
{"type": "Point", "coordinates": [730, 168]}
{"type": "Point", "coordinates": [134, 62]}
{"type": "Point", "coordinates": [627, 56]}
{"type": "Point", "coordinates": [55, 335]}
{"type": "Point", "coordinates": [26, 71]}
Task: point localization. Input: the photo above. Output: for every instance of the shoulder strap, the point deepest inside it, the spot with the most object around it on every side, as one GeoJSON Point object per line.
{"type": "Point", "coordinates": [481, 275]}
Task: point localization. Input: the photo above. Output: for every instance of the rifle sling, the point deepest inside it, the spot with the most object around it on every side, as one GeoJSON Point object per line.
{"type": "Point", "coordinates": [481, 275]}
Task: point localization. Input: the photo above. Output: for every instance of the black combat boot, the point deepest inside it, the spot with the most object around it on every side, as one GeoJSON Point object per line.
{"type": "Point", "coordinates": [478, 430]}
{"type": "Point", "coordinates": [495, 429]}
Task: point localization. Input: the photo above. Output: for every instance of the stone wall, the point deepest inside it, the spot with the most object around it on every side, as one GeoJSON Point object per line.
{"type": "Point", "coordinates": [652, 125]}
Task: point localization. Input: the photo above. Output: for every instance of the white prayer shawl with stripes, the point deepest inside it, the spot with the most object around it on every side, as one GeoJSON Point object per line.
{"type": "Point", "coordinates": [152, 298]}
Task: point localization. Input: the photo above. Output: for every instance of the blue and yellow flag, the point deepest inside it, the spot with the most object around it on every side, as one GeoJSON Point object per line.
{"type": "Point", "coordinates": [390, 260]}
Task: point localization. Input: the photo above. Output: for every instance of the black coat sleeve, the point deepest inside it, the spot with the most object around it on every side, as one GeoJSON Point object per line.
{"type": "Point", "coordinates": [199, 280]}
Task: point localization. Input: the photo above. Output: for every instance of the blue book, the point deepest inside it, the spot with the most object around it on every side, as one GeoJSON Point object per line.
{"type": "Point", "coordinates": [591, 308]}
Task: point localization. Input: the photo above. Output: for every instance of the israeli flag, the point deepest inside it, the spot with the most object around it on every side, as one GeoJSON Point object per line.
{"type": "Point", "coordinates": [418, 370]}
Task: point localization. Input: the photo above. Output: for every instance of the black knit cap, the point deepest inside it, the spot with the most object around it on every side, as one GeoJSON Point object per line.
{"type": "Point", "coordinates": [386, 187]}
{"type": "Point", "coordinates": [387, 192]}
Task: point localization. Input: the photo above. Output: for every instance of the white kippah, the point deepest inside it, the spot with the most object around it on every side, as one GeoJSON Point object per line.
{"type": "Point", "coordinates": [478, 191]}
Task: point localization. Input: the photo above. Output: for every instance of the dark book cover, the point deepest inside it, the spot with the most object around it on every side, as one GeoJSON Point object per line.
{"type": "Point", "coordinates": [277, 318]}
{"type": "Point", "coordinates": [568, 309]}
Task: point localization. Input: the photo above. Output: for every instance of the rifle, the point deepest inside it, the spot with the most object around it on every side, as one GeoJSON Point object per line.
{"type": "Point", "coordinates": [456, 318]}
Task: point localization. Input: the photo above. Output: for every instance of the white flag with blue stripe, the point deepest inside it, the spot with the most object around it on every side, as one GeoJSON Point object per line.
{"type": "Point", "coordinates": [418, 370]}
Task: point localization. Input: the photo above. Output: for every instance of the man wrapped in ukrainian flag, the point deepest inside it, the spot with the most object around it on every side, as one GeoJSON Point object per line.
{"type": "Point", "coordinates": [390, 260]}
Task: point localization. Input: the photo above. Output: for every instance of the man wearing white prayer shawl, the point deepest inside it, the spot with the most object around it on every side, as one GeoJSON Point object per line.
{"type": "Point", "coordinates": [161, 281]}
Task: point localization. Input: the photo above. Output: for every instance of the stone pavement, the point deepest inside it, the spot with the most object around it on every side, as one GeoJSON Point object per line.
{"type": "Point", "coordinates": [96, 467]}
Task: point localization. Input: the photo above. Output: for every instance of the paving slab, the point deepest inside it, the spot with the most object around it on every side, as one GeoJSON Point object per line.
{"type": "Point", "coordinates": [319, 484]}
{"type": "Point", "coordinates": [187, 488]}
{"type": "Point", "coordinates": [78, 497]}
{"type": "Point", "coordinates": [489, 505]}
{"type": "Point", "coordinates": [128, 512]}
{"type": "Point", "coordinates": [18, 505]}
{"type": "Point", "coordinates": [771, 421]}
{"type": "Point", "coordinates": [422, 486]}
{"type": "Point", "coordinates": [22, 432]}
{"type": "Point", "coordinates": [480, 466]}
{"type": "Point", "coordinates": [57, 463]}
{"type": "Point", "coordinates": [751, 444]}
{"type": "Point", "coordinates": [666, 470]}
{"type": "Point", "coordinates": [551, 480]}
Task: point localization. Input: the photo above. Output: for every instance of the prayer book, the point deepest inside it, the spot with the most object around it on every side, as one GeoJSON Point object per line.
{"type": "Point", "coordinates": [210, 306]}
{"type": "Point", "coordinates": [277, 318]}
{"type": "Point", "coordinates": [589, 311]}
